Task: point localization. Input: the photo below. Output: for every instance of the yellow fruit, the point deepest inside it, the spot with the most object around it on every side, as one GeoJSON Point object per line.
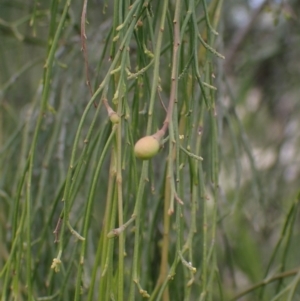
{"type": "Point", "coordinates": [114, 118]}
{"type": "Point", "coordinates": [146, 147]}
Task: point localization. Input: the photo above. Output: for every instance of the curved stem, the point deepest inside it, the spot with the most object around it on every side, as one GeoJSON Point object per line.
{"type": "Point", "coordinates": [265, 282]}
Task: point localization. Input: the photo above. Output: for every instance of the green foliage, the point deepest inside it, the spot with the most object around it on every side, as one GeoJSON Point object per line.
{"type": "Point", "coordinates": [81, 217]}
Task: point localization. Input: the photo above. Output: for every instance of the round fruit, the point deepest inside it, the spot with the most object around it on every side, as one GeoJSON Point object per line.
{"type": "Point", "coordinates": [114, 118]}
{"type": "Point", "coordinates": [146, 147]}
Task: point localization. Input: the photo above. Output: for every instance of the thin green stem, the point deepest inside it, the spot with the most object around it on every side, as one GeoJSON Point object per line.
{"type": "Point", "coordinates": [104, 245]}
{"type": "Point", "coordinates": [120, 206]}
{"type": "Point", "coordinates": [88, 210]}
{"type": "Point", "coordinates": [265, 282]}
{"type": "Point", "coordinates": [47, 77]}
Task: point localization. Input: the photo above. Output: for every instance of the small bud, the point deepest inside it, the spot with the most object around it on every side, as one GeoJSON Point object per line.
{"type": "Point", "coordinates": [56, 265]}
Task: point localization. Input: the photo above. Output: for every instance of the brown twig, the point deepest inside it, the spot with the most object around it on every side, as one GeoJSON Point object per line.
{"type": "Point", "coordinates": [57, 230]}
{"type": "Point", "coordinates": [109, 110]}
{"type": "Point", "coordinates": [174, 74]}
{"type": "Point", "coordinates": [168, 119]}
{"type": "Point", "coordinates": [84, 48]}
